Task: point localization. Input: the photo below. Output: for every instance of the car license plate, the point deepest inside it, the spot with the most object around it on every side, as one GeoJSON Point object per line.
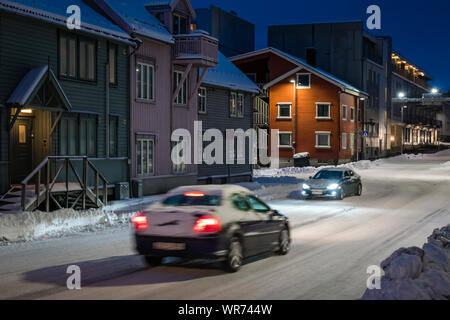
{"type": "Point", "coordinates": [169, 246]}
{"type": "Point", "coordinates": [316, 191]}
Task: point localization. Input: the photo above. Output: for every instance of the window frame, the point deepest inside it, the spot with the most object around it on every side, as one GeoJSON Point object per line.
{"type": "Point", "coordinates": [329, 111]}
{"type": "Point", "coordinates": [290, 139]}
{"type": "Point", "coordinates": [200, 97]}
{"type": "Point", "coordinates": [77, 118]}
{"type": "Point", "coordinates": [302, 86]}
{"type": "Point", "coordinates": [141, 139]}
{"type": "Point", "coordinates": [240, 105]}
{"type": "Point", "coordinates": [115, 47]}
{"type": "Point", "coordinates": [94, 43]}
{"type": "Point", "coordinates": [183, 91]}
{"type": "Point", "coordinates": [344, 114]}
{"type": "Point", "coordinates": [318, 133]}
{"type": "Point", "coordinates": [290, 110]}
{"type": "Point", "coordinates": [233, 97]}
{"type": "Point", "coordinates": [150, 90]}
{"type": "Point", "coordinates": [184, 166]}
{"type": "Point", "coordinates": [344, 141]}
{"type": "Point", "coordinates": [352, 114]}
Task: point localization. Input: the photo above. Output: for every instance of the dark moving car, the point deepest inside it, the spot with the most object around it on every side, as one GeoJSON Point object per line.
{"type": "Point", "coordinates": [221, 222]}
{"type": "Point", "coordinates": [333, 182]}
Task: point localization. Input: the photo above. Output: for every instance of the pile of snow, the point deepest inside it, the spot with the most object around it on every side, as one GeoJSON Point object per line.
{"type": "Point", "coordinates": [417, 274]}
{"type": "Point", "coordinates": [24, 226]}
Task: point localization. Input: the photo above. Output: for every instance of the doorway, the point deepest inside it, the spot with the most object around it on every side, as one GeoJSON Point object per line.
{"type": "Point", "coordinates": [21, 142]}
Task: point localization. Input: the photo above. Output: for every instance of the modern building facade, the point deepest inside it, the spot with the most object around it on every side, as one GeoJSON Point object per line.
{"type": "Point", "coordinates": [164, 81]}
{"type": "Point", "coordinates": [62, 92]}
{"type": "Point", "coordinates": [235, 35]}
{"type": "Point", "coordinates": [314, 111]}
{"type": "Point", "coordinates": [225, 102]}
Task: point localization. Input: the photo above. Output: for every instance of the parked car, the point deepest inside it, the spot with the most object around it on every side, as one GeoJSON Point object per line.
{"type": "Point", "coordinates": [222, 222]}
{"type": "Point", "coordinates": [335, 182]}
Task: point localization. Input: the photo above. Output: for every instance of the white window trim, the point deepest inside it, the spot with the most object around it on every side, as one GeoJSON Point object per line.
{"type": "Point", "coordinates": [344, 115]}
{"type": "Point", "coordinates": [205, 96]}
{"type": "Point", "coordinates": [290, 110]}
{"type": "Point", "coordinates": [317, 139]}
{"type": "Point", "coordinates": [344, 141]}
{"type": "Point", "coordinates": [290, 143]}
{"type": "Point", "coordinates": [352, 144]}
{"type": "Point", "coordinates": [152, 68]}
{"type": "Point", "coordinates": [148, 158]}
{"type": "Point", "coordinates": [303, 87]}
{"type": "Point", "coordinates": [181, 93]}
{"type": "Point", "coordinates": [240, 96]}
{"type": "Point", "coordinates": [329, 111]}
{"type": "Point", "coordinates": [352, 108]}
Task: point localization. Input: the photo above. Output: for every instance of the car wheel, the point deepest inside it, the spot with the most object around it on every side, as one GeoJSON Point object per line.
{"type": "Point", "coordinates": [235, 256]}
{"type": "Point", "coordinates": [341, 195]}
{"type": "Point", "coordinates": [284, 244]}
{"type": "Point", "coordinates": [359, 190]}
{"type": "Point", "coordinates": [153, 261]}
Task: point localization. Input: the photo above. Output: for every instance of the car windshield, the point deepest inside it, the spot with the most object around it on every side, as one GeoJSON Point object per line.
{"type": "Point", "coordinates": [329, 175]}
{"type": "Point", "coordinates": [182, 200]}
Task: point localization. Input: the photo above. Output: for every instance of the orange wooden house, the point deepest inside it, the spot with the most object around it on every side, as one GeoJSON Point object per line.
{"type": "Point", "coordinates": [314, 111]}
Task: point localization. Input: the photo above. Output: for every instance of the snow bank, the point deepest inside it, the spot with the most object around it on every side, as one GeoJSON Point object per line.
{"type": "Point", "coordinates": [417, 274]}
{"type": "Point", "coordinates": [24, 226]}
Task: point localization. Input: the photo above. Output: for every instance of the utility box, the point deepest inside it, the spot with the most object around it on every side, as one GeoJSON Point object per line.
{"type": "Point", "coordinates": [122, 191]}
{"type": "Point", "coordinates": [137, 189]}
{"type": "Point", "coordinates": [301, 159]}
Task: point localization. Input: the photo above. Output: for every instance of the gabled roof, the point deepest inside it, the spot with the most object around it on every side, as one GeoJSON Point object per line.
{"type": "Point", "coordinates": [227, 75]}
{"type": "Point", "coordinates": [137, 18]}
{"type": "Point", "coordinates": [28, 88]}
{"type": "Point", "coordinates": [301, 64]}
{"type": "Point", "coordinates": [56, 12]}
{"type": "Point", "coordinates": [171, 4]}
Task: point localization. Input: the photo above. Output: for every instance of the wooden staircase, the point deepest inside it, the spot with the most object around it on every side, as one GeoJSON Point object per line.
{"type": "Point", "coordinates": [63, 187]}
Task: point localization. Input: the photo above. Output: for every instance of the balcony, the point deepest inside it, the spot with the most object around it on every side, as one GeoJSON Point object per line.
{"type": "Point", "coordinates": [197, 48]}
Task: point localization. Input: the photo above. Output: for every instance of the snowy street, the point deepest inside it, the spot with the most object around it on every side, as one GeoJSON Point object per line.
{"type": "Point", "coordinates": [404, 199]}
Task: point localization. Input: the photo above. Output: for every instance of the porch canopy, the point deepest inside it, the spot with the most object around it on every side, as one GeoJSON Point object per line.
{"type": "Point", "coordinates": [39, 89]}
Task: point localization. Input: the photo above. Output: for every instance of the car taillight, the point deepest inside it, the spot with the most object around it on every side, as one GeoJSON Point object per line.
{"type": "Point", "coordinates": [140, 221]}
{"type": "Point", "coordinates": [207, 224]}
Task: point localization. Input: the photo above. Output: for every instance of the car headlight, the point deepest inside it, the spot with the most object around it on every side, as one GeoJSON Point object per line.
{"type": "Point", "coordinates": [305, 186]}
{"type": "Point", "coordinates": [333, 186]}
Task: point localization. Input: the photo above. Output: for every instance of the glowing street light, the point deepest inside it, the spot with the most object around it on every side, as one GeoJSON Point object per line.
{"type": "Point", "coordinates": [434, 90]}
{"type": "Point", "coordinates": [401, 94]}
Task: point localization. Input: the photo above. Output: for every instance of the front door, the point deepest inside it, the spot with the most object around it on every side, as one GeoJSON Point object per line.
{"type": "Point", "coordinates": [21, 150]}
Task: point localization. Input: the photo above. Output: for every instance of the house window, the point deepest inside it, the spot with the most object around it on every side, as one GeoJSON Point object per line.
{"type": "Point", "coordinates": [323, 139]}
{"type": "Point", "coordinates": [359, 114]}
{"type": "Point", "coordinates": [78, 135]}
{"type": "Point", "coordinates": [344, 112]}
{"type": "Point", "coordinates": [112, 60]}
{"type": "Point", "coordinates": [145, 88]}
{"type": "Point", "coordinates": [352, 144]}
{"type": "Point", "coordinates": [285, 139]}
{"type": "Point", "coordinates": [352, 114]}
{"type": "Point", "coordinates": [87, 60]}
{"type": "Point", "coordinates": [323, 110]}
{"type": "Point", "coordinates": [113, 136]}
{"type": "Point", "coordinates": [181, 167]}
{"type": "Point", "coordinates": [284, 110]}
{"type": "Point", "coordinates": [202, 100]}
{"type": "Point", "coordinates": [233, 104]}
{"type": "Point", "coordinates": [344, 141]}
{"type": "Point", "coordinates": [68, 56]}
{"type": "Point", "coordinates": [181, 98]}
{"type": "Point", "coordinates": [179, 24]}
{"type": "Point", "coordinates": [145, 156]}
{"type": "Point", "coordinates": [303, 80]}
{"type": "Point", "coordinates": [240, 105]}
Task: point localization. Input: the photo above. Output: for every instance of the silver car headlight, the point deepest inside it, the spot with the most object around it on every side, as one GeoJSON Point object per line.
{"type": "Point", "coordinates": [333, 186]}
{"type": "Point", "coordinates": [305, 186]}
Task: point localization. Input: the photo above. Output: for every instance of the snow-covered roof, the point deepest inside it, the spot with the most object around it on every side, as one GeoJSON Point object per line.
{"type": "Point", "coordinates": [227, 75]}
{"type": "Point", "coordinates": [141, 21]}
{"type": "Point", "coordinates": [171, 4]}
{"type": "Point", "coordinates": [30, 84]}
{"type": "Point", "coordinates": [303, 64]}
{"type": "Point", "coordinates": [56, 12]}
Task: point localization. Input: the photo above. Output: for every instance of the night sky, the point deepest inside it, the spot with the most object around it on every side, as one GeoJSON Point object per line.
{"type": "Point", "coordinates": [419, 28]}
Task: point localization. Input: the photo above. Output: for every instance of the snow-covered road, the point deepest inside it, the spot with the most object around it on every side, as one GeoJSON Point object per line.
{"type": "Point", "coordinates": [333, 244]}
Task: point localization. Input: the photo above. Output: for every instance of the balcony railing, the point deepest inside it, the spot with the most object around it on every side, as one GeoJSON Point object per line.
{"type": "Point", "coordinates": [196, 48]}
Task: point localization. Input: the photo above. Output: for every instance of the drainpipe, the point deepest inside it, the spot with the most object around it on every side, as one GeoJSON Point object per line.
{"type": "Point", "coordinates": [107, 111]}
{"type": "Point", "coordinates": [339, 128]}
{"type": "Point", "coordinates": [294, 116]}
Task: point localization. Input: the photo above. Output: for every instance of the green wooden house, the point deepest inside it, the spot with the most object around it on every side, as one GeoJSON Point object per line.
{"type": "Point", "coordinates": [64, 94]}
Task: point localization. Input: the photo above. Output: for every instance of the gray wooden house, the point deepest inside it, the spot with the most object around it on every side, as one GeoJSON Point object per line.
{"type": "Point", "coordinates": [64, 106]}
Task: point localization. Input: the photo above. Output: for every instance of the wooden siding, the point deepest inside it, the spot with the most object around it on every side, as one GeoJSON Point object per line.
{"type": "Point", "coordinates": [218, 117]}
{"type": "Point", "coordinates": [20, 52]}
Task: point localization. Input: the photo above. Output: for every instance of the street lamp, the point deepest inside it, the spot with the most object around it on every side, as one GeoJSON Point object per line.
{"type": "Point", "coordinates": [434, 90]}
{"type": "Point", "coordinates": [401, 94]}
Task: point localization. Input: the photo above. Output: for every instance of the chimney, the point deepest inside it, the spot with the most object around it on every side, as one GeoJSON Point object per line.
{"type": "Point", "coordinates": [311, 56]}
